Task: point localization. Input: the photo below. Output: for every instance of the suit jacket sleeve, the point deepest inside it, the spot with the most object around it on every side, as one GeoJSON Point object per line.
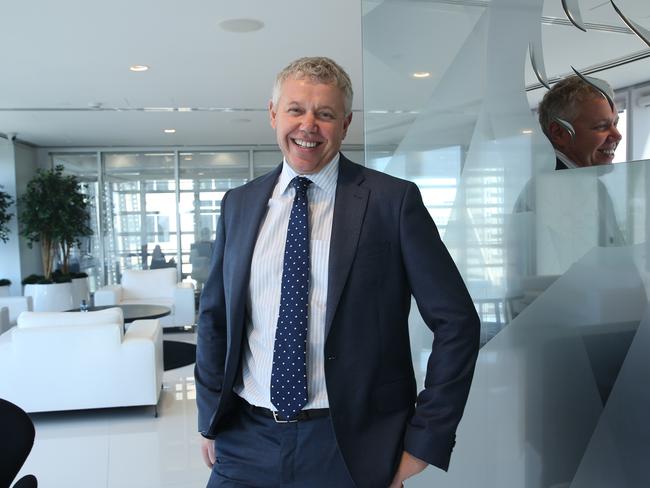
{"type": "Point", "coordinates": [447, 309]}
{"type": "Point", "coordinates": [212, 333]}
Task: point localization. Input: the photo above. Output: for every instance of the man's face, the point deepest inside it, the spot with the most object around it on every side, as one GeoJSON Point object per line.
{"type": "Point", "coordinates": [596, 134]}
{"type": "Point", "coordinates": [310, 123]}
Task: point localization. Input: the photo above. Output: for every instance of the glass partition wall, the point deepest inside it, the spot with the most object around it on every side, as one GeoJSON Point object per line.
{"type": "Point", "coordinates": [159, 208]}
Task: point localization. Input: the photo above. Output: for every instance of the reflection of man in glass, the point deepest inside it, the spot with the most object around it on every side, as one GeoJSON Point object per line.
{"type": "Point", "coordinates": [580, 123]}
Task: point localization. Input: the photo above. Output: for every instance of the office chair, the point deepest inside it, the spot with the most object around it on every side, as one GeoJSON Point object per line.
{"type": "Point", "coordinates": [16, 440]}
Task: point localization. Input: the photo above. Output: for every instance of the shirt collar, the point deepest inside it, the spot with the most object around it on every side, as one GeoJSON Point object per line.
{"type": "Point", "coordinates": [564, 158]}
{"type": "Point", "coordinates": [325, 179]}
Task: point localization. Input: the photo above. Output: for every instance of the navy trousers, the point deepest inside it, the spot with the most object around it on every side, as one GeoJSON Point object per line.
{"type": "Point", "coordinates": [254, 451]}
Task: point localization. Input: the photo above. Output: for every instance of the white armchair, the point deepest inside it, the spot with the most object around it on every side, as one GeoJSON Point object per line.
{"type": "Point", "coordinates": [77, 360]}
{"type": "Point", "coordinates": [153, 287]}
{"type": "Point", "coordinates": [16, 306]}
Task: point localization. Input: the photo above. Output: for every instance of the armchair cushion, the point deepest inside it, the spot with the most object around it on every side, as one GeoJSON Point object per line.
{"type": "Point", "coordinates": [151, 283]}
{"type": "Point", "coordinates": [108, 295]}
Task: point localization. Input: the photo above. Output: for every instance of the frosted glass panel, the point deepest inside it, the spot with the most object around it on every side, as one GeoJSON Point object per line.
{"type": "Point", "coordinates": [555, 261]}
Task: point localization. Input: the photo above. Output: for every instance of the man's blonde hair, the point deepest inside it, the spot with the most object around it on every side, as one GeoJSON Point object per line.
{"type": "Point", "coordinates": [319, 70]}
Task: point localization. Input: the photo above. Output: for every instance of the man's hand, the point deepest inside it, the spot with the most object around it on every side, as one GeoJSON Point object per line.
{"type": "Point", "coordinates": [207, 451]}
{"type": "Point", "coordinates": [408, 466]}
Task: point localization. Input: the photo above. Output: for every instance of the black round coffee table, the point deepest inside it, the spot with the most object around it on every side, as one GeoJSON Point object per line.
{"type": "Point", "coordinates": [134, 312]}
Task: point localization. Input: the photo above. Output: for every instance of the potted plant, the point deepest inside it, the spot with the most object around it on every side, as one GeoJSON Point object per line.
{"type": "Point", "coordinates": [55, 213]}
{"type": "Point", "coordinates": [5, 216]}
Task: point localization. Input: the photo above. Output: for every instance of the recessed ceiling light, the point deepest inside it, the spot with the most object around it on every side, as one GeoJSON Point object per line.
{"type": "Point", "coordinates": [421, 74]}
{"type": "Point", "coordinates": [169, 131]}
{"type": "Point", "coordinates": [241, 121]}
{"type": "Point", "coordinates": [139, 67]}
{"type": "Point", "coordinates": [527, 131]}
{"type": "Point", "coordinates": [241, 25]}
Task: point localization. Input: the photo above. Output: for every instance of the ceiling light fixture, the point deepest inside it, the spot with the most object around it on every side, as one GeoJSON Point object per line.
{"type": "Point", "coordinates": [241, 25]}
{"type": "Point", "coordinates": [421, 74]}
{"type": "Point", "coordinates": [527, 131]}
{"type": "Point", "coordinates": [169, 131]}
{"type": "Point", "coordinates": [139, 68]}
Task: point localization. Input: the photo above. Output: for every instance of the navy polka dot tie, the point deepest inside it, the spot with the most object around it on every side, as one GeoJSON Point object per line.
{"type": "Point", "coordinates": [289, 373]}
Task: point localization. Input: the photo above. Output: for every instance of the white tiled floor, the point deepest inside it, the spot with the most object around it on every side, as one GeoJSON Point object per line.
{"type": "Point", "coordinates": [123, 447]}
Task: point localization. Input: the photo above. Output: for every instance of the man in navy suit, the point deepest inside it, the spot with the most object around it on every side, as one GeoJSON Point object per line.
{"type": "Point", "coordinates": [372, 246]}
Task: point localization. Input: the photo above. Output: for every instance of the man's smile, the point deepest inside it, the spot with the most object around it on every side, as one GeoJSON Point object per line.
{"type": "Point", "coordinates": [305, 144]}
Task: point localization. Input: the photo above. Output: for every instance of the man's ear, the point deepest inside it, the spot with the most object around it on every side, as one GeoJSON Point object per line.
{"type": "Point", "coordinates": [559, 135]}
{"type": "Point", "coordinates": [272, 114]}
{"type": "Point", "coordinates": [346, 124]}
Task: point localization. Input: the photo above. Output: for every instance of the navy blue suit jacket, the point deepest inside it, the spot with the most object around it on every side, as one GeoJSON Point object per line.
{"type": "Point", "coordinates": [384, 248]}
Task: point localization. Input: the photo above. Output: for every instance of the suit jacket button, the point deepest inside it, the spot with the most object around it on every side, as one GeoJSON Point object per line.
{"type": "Point", "coordinates": [331, 358]}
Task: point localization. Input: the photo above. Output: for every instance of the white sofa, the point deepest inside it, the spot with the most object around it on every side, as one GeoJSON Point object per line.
{"type": "Point", "coordinates": [153, 287]}
{"type": "Point", "coordinates": [77, 360]}
{"type": "Point", "coordinates": [16, 306]}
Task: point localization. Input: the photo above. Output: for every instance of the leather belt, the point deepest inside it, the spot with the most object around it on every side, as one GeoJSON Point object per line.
{"type": "Point", "coordinates": [310, 414]}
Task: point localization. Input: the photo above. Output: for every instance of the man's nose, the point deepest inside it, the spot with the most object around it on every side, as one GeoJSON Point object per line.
{"type": "Point", "coordinates": [309, 122]}
{"type": "Point", "coordinates": [615, 133]}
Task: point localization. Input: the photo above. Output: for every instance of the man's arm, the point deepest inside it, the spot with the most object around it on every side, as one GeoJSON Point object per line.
{"type": "Point", "coordinates": [211, 334]}
{"type": "Point", "coordinates": [448, 310]}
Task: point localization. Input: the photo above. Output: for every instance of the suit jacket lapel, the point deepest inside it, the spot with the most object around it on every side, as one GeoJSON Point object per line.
{"type": "Point", "coordinates": [349, 210]}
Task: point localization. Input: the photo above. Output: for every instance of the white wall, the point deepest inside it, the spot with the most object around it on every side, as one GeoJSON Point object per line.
{"type": "Point", "coordinates": [26, 163]}
{"type": "Point", "coordinates": [17, 166]}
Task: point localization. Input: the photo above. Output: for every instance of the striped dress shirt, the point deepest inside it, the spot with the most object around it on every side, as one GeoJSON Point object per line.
{"type": "Point", "coordinates": [263, 301]}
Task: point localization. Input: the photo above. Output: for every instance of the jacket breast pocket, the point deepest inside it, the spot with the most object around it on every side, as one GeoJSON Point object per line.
{"type": "Point", "coordinates": [393, 396]}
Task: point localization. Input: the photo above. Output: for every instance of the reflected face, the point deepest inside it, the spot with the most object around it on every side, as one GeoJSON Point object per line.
{"type": "Point", "coordinates": [596, 134]}
{"type": "Point", "coordinates": [310, 123]}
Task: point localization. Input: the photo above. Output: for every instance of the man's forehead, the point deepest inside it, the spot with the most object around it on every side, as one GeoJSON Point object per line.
{"type": "Point", "coordinates": [596, 107]}
{"type": "Point", "coordinates": [313, 82]}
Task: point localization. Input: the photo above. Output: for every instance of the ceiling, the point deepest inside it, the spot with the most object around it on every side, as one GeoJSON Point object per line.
{"type": "Point", "coordinates": [61, 59]}
{"type": "Point", "coordinates": [65, 79]}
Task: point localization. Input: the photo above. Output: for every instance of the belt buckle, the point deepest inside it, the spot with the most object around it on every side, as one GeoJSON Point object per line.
{"type": "Point", "coordinates": [279, 421]}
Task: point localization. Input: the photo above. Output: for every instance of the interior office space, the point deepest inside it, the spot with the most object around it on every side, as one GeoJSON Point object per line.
{"type": "Point", "coordinates": [560, 391]}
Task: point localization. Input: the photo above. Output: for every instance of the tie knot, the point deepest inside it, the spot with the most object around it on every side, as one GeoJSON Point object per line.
{"type": "Point", "coordinates": [300, 183]}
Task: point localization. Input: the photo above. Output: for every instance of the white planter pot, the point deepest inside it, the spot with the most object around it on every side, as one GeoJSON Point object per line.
{"type": "Point", "coordinates": [55, 297]}
{"type": "Point", "coordinates": [4, 291]}
{"type": "Point", "coordinates": [80, 291]}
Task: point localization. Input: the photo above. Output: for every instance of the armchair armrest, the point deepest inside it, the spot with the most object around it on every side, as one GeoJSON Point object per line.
{"type": "Point", "coordinates": [108, 295]}
{"type": "Point", "coordinates": [143, 343]}
{"type": "Point", "coordinates": [184, 309]}
{"type": "Point", "coordinates": [143, 330]}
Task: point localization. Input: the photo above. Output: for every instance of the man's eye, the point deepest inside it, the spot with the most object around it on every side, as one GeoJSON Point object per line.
{"type": "Point", "coordinates": [326, 115]}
